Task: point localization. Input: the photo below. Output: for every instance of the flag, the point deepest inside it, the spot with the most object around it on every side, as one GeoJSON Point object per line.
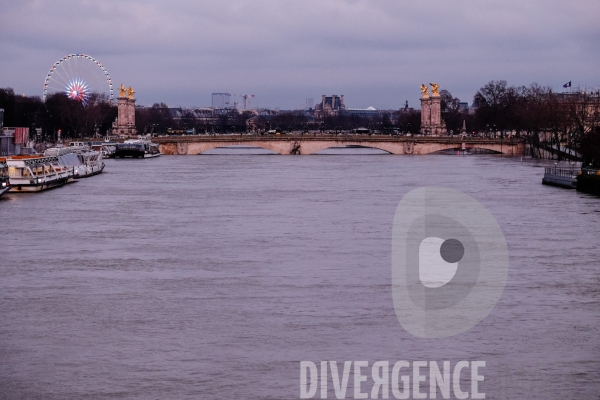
{"type": "Point", "coordinates": [566, 85]}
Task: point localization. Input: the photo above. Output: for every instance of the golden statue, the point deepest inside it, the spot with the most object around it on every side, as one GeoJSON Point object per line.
{"type": "Point", "coordinates": [424, 91]}
{"type": "Point", "coordinates": [435, 89]}
{"type": "Point", "coordinates": [123, 91]}
{"type": "Point", "coordinates": [131, 92]}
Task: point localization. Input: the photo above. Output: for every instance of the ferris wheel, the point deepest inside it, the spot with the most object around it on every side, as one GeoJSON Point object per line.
{"type": "Point", "coordinates": [78, 76]}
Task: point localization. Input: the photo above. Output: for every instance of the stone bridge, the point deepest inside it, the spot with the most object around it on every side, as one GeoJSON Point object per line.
{"type": "Point", "coordinates": [309, 144]}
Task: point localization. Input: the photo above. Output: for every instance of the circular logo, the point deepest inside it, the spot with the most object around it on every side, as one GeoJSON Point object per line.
{"type": "Point", "coordinates": [449, 262]}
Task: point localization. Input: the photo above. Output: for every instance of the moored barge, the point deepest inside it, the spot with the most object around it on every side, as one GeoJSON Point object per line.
{"type": "Point", "coordinates": [139, 148]}
{"type": "Point", "coordinates": [33, 173]}
{"type": "Point", "coordinates": [81, 160]}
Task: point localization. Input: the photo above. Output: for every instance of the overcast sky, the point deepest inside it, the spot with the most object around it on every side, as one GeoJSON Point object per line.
{"type": "Point", "coordinates": [374, 52]}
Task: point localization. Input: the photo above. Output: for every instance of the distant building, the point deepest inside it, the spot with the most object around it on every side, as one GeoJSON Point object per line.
{"type": "Point", "coordinates": [406, 109]}
{"type": "Point", "coordinates": [310, 103]}
{"type": "Point", "coordinates": [198, 116]}
{"type": "Point", "coordinates": [330, 105]}
{"type": "Point", "coordinates": [473, 107]}
{"type": "Point", "coordinates": [13, 140]}
{"type": "Point", "coordinates": [221, 100]}
{"type": "Point", "coordinates": [361, 112]}
{"type": "Point", "coordinates": [584, 104]}
{"type": "Point", "coordinates": [1, 117]}
{"type": "Point", "coordinates": [7, 142]}
{"type": "Point", "coordinates": [298, 119]}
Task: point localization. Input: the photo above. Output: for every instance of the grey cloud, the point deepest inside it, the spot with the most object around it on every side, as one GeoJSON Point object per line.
{"type": "Point", "coordinates": [379, 52]}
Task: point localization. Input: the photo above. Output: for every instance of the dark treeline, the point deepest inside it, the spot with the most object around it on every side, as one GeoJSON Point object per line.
{"type": "Point", "coordinates": [569, 119]}
{"type": "Point", "coordinates": [156, 119]}
{"type": "Point", "coordinates": [536, 109]}
{"type": "Point", "coordinates": [71, 117]}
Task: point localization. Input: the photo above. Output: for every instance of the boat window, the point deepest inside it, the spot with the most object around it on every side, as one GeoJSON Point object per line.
{"type": "Point", "coordinates": [70, 160]}
{"type": "Point", "coordinates": [15, 172]}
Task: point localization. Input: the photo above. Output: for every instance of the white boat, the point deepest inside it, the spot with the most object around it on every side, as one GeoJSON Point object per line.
{"type": "Point", "coordinates": [137, 148]}
{"type": "Point", "coordinates": [106, 147]}
{"type": "Point", "coordinates": [4, 182]}
{"type": "Point", "coordinates": [82, 161]}
{"type": "Point", "coordinates": [33, 173]}
{"type": "Point", "coordinates": [108, 150]}
{"type": "Point", "coordinates": [92, 161]}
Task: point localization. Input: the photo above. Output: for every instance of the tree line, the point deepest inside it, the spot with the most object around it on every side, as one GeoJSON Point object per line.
{"type": "Point", "coordinates": [534, 111]}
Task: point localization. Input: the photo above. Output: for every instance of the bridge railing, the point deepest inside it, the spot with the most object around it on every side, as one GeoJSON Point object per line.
{"type": "Point", "coordinates": [331, 136]}
{"type": "Point", "coordinates": [566, 172]}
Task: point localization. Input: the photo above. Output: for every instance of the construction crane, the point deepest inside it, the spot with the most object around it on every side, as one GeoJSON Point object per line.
{"type": "Point", "coordinates": [245, 97]}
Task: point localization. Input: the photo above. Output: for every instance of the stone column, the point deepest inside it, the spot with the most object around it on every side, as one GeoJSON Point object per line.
{"type": "Point", "coordinates": [131, 116]}
{"type": "Point", "coordinates": [128, 113]}
{"type": "Point", "coordinates": [425, 114]}
{"type": "Point", "coordinates": [436, 111]}
{"type": "Point", "coordinates": [438, 126]}
{"type": "Point", "coordinates": [122, 110]}
{"type": "Point", "coordinates": [122, 115]}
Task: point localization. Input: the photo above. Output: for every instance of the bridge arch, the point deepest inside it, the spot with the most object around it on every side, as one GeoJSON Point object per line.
{"type": "Point", "coordinates": [362, 146]}
{"type": "Point", "coordinates": [199, 148]}
{"type": "Point", "coordinates": [505, 148]}
{"type": "Point", "coordinates": [194, 148]}
{"type": "Point", "coordinates": [311, 147]}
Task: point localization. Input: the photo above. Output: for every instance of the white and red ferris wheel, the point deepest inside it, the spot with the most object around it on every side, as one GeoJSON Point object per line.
{"type": "Point", "coordinates": [78, 76]}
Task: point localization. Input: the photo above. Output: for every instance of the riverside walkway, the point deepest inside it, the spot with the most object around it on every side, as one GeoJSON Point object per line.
{"type": "Point", "coordinates": [311, 143]}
